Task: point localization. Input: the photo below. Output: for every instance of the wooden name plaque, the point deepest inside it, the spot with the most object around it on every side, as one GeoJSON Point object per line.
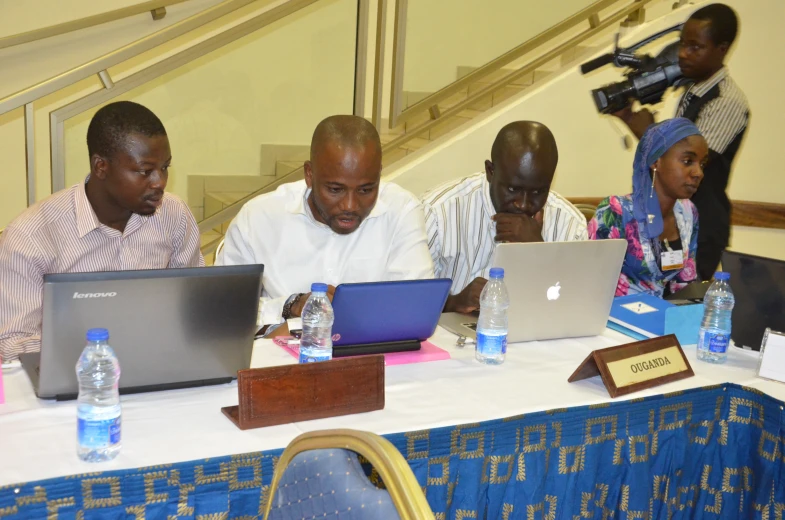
{"type": "Point", "coordinates": [636, 366]}
{"type": "Point", "coordinates": [292, 393]}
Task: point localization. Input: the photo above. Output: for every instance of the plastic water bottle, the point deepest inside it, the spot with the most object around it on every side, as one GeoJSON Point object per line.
{"type": "Point", "coordinates": [491, 346]}
{"type": "Point", "coordinates": [715, 330]}
{"type": "Point", "coordinates": [98, 405]}
{"type": "Point", "coordinates": [316, 342]}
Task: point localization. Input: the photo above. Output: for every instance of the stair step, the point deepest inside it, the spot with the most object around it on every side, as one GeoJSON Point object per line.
{"type": "Point", "coordinates": [451, 123]}
{"type": "Point", "coordinates": [216, 201]}
{"type": "Point", "coordinates": [393, 155]}
{"type": "Point", "coordinates": [284, 167]}
{"type": "Point", "coordinates": [541, 74]}
{"type": "Point", "coordinates": [415, 143]}
{"type": "Point", "coordinates": [206, 238]}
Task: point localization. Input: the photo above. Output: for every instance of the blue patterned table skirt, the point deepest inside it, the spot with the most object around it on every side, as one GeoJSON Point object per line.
{"type": "Point", "coordinates": [715, 452]}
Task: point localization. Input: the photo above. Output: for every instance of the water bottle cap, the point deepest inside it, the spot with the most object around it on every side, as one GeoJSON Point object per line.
{"type": "Point", "coordinates": [721, 275]}
{"type": "Point", "coordinates": [97, 335]}
{"type": "Point", "coordinates": [497, 272]}
{"type": "Point", "coordinates": [319, 287]}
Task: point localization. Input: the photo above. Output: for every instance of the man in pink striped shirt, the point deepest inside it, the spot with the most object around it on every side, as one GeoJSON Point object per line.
{"type": "Point", "coordinates": [118, 219]}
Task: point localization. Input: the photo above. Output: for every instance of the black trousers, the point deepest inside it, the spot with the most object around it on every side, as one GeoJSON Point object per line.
{"type": "Point", "coordinates": [708, 258]}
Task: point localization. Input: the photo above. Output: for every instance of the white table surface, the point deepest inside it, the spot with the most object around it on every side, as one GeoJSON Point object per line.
{"type": "Point", "coordinates": [38, 438]}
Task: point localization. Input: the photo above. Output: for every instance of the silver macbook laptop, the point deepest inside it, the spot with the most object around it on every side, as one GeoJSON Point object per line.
{"type": "Point", "coordinates": [170, 328]}
{"type": "Point", "coordinates": [557, 289]}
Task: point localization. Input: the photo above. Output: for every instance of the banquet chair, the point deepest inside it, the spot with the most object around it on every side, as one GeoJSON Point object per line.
{"type": "Point", "coordinates": [587, 209]}
{"type": "Point", "coordinates": [319, 476]}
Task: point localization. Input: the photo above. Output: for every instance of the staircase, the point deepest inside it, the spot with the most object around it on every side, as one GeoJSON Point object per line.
{"type": "Point", "coordinates": [421, 130]}
{"type": "Point", "coordinates": [209, 194]}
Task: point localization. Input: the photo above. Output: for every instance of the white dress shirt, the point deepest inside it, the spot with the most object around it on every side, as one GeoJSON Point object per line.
{"type": "Point", "coordinates": [460, 230]}
{"type": "Point", "coordinates": [278, 230]}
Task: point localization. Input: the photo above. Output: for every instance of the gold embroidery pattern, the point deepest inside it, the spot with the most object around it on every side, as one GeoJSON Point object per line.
{"type": "Point", "coordinates": [607, 429]}
{"type": "Point", "coordinates": [115, 499]}
{"type": "Point", "coordinates": [411, 439]}
{"type": "Point", "coordinates": [496, 476]}
{"type": "Point", "coordinates": [738, 406]}
{"type": "Point", "coordinates": [635, 455]}
{"type": "Point", "coordinates": [444, 462]}
{"type": "Point", "coordinates": [765, 438]}
{"type": "Point", "coordinates": [201, 479]}
{"type": "Point", "coordinates": [717, 507]}
{"type": "Point", "coordinates": [506, 511]}
{"type": "Point", "coordinates": [578, 453]}
{"type": "Point", "coordinates": [625, 506]}
{"type": "Point", "coordinates": [244, 462]}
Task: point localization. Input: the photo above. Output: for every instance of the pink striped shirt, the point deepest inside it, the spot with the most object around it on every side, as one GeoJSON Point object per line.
{"type": "Point", "coordinates": [62, 234]}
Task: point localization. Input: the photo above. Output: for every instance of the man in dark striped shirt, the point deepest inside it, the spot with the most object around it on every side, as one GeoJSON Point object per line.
{"type": "Point", "coordinates": [719, 109]}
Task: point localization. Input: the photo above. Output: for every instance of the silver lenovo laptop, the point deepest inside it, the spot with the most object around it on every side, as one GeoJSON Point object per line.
{"type": "Point", "coordinates": [557, 289]}
{"type": "Point", "coordinates": [170, 328]}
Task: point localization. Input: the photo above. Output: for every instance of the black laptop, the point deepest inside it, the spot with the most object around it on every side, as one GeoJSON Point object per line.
{"type": "Point", "coordinates": [758, 285]}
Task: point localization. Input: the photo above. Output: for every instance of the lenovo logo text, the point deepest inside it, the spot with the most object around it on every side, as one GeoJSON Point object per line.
{"type": "Point", "coordinates": [78, 295]}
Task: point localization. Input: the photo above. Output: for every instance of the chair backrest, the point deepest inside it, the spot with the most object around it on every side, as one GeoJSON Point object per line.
{"type": "Point", "coordinates": [587, 209]}
{"type": "Point", "coordinates": [320, 474]}
{"type": "Point", "coordinates": [329, 481]}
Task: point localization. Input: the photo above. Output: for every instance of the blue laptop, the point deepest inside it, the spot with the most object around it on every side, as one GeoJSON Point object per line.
{"type": "Point", "coordinates": [381, 317]}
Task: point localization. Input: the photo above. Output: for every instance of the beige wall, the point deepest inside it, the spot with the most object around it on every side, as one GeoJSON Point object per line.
{"type": "Point", "coordinates": [270, 87]}
{"type": "Point", "coordinates": [442, 35]}
{"type": "Point", "coordinates": [19, 16]}
{"type": "Point", "coordinates": [592, 160]}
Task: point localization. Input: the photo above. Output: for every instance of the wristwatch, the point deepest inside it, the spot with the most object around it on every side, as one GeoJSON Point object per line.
{"type": "Point", "coordinates": [286, 313]}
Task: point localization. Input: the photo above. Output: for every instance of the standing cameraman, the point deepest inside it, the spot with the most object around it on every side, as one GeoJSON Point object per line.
{"type": "Point", "coordinates": [719, 109]}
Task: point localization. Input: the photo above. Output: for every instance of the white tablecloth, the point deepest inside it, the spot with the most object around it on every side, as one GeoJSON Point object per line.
{"type": "Point", "coordinates": [38, 438]}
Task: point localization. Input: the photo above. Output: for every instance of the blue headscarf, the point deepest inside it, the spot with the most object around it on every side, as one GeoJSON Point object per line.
{"type": "Point", "coordinates": [657, 140]}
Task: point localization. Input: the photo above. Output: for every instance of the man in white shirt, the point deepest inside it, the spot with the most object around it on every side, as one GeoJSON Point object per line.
{"type": "Point", "coordinates": [510, 202]}
{"type": "Point", "coordinates": [340, 225]}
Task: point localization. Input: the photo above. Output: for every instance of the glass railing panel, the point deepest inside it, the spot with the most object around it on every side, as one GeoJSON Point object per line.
{"type": "Point", "coordinates": [13, 195]}
{"type": "Point", "coordinates": [240, 117]}
{"type": "Point", "coordinates": [446, 39]}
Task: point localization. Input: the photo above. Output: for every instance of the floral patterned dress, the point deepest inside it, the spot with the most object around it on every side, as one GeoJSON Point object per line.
{"type": "Point", "coordinates": [641, 271]}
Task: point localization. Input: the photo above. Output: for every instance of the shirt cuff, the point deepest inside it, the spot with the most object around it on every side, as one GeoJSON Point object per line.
{"type": "Point", "coordinates": [270, 310]}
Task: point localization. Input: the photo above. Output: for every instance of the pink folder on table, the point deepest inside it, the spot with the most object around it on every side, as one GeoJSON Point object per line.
{"type": "Point", "coordinates": [428, 352]}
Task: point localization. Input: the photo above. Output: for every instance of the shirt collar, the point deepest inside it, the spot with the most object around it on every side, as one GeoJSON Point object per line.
{"type": "Point", "coordinates": [702, 88]}
{"type": "Point", "coordinates": [86, 219]}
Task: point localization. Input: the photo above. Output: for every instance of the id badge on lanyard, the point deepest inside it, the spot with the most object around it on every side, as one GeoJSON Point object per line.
{"type": "Point", "coordinates": [671, 260]}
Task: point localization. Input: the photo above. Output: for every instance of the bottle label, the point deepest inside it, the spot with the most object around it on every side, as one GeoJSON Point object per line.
{"type": "Point", "coordinates": [489, 345]}
{"type": "Point", "coordinates": [716, 341]}
{"type": "Point", "coordinates": [314, 357]}
{"type": "Point", "coordinates": [98, 434]}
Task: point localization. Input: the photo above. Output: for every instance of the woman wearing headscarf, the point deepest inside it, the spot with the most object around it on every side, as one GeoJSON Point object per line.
{"type": "Point", "coordinates": [657, 219]}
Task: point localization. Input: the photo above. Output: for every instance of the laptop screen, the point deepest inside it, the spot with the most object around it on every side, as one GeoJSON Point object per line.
{"type": "Point", "coordinates": [759, 288]}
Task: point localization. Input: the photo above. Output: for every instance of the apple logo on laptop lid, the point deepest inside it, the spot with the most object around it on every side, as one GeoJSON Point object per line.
{"type": "Point", "coordinates": [553, 292]}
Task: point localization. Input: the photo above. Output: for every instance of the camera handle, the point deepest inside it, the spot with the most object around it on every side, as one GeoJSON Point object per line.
{"type": "Point", "coordinates": [626, 57]}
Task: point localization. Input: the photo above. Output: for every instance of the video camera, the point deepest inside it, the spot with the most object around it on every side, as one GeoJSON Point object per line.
{"type": "Point", "coordinates": [647, 80]}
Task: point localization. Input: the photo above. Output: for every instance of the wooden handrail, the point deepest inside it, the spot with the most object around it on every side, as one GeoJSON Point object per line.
{"type": "Point", "coordinates": [84, 23]}
{"type": "Point", "coordinates": [744, 212]}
